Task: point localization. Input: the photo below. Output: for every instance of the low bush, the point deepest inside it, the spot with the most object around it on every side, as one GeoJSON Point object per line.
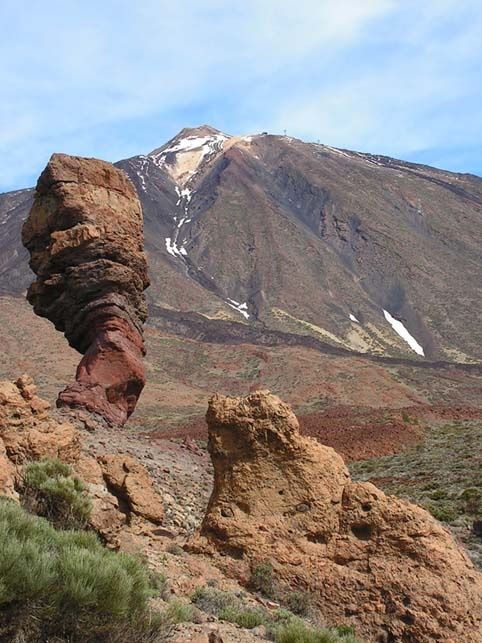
{"type": "Point", "coordinates": [51, 490]}
{"type": "Point", "coordinates": [297, 602]}
{"type": "Point", "coordinates": [296, 631]}
{"type": "Point", "coordinates": [262, 580]}
{"type": "Point", "coordinates": [471, 501]}
{"type": "Point", "coordinates": [213, 601]}
{"type": "Point", "coordinates": [282, 625]}
{"type": "Point", "coordinates": [247, 618]}
{"type": "Point", "coordinates": [445, 511]}
{"type": "Point", "coordinates": [228, 607]}
{"type": "Point", "coordinates": [178, 612]}
{"type": "Point", "coordinates": [65, 584]}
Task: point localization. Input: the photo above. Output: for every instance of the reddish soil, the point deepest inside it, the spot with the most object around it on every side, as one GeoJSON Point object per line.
{"type": "Point", "coordinates": [355, 433]}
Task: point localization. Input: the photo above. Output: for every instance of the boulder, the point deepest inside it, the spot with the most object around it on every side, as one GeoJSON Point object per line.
{"type": "Point", "coordinates": [27, 429]}
{"type": "Point", "coordinates": [372, 561]}
{"type": "Point", "coordinates": [129, 480]}
{"type": "Point", "coordinates": [85, 238]}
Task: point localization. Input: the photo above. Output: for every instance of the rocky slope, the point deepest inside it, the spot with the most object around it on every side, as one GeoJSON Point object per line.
{"type": "Point", "coordinates": [30, 431]}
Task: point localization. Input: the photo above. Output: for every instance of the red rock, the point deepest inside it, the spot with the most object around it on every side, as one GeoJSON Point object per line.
{"type": "Point", "coordinates": [84, 235]}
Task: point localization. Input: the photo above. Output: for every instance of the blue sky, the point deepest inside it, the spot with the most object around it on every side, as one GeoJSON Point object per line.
{"type": "Point", "coordinates": [117, 78]}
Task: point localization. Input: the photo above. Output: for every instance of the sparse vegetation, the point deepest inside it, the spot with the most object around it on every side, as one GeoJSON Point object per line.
{"type": "Point", "coordinates": [296, 631]}
{"type": "Point", "coordinates": [262, 579]}
{"type": "Point", "coordinates": [51, 490]}
{"type": "Point", "coordinates": [297, 602]}
{"type": "Point", "coordinates": [247, 617]}
{"type": "Point", "coordinates": [443, 474]}
{"type": "Point", "coordinates": [65, 584]}
{"type": "Point", "coordinates": [282, 625]}
{"type": "Point", "coordinates": [213, 601]}
{"type": "Point", "coordinates": [178, 611]}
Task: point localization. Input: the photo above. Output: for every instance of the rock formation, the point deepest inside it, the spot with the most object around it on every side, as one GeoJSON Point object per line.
{"type": "Point", "coordinates": [84, 235]}
{"type": "Point", "coordinates": [372, 561]}
{"type": "Point", "coordinates": [120, 487]}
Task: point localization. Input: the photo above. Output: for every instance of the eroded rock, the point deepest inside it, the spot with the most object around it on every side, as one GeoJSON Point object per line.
{"type": "Point", "coordinates": [27, 429]}
{"type": "Point", "coordinates": [129, 480]}
{"type": "Point", "coordinates": [119, 486]}
{"type": "Point", "coordinates": [370, 560]}
{"type": "Point", "coordinates": [84, 235]}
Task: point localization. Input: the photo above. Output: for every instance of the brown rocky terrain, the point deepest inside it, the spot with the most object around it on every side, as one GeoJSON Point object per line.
{"type": "Point", "coordinates": [233, 227]}
{"type": "Point", "coordinates": [84, 235]}
{"type": "Point", "coordinates": [146, 498]}
{"type": "Point", "coordinates": [180, 477]}
{"type": "Point", "coordinates": [367, 558]}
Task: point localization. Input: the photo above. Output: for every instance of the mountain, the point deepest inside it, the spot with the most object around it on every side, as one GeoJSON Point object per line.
{"type": "Point", "coordinates": [274, 257]}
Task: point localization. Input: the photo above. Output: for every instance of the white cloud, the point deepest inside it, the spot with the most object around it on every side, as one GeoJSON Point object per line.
{"type": "Point", "coordinates": [114, 78]}
{"type": "Point", "coordinates": [422, 94]}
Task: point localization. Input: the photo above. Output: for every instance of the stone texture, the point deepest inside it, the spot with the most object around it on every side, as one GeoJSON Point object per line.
{"type": "Point", "coordinates": [106, 518]}
{"type": "Point", "coordinates": [84, 234]}
{"type": "Point", "coordinates": [129, 480]}
{"type": "Point", "coordinates": [8, 475]}
{"type": "Point", "coordinates": [28, 431]}
{"type": "Point", "coordinates": [119, 486]}
{"type": "Point", "coordinates": [373, 561]}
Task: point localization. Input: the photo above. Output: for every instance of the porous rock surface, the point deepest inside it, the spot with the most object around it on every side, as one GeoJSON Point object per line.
{"type": "Point", "coordinates": [30, 431]}
{"type": "Point", "coordinates": [84, 234]}
{"type": "Point", "coordinates": [372, 561]}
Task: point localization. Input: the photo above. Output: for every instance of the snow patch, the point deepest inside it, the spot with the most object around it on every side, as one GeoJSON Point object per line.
{"type": "Point", "coordinates": [400, 329]}
{"type": "Point", "coordinates": [241, 308]}
{"type": "Point", "coordinates": [206, 145]}
{"type": "Point", "coordinates": [142, 173]}
{"type": "Point", "coordinates": [174, 250]}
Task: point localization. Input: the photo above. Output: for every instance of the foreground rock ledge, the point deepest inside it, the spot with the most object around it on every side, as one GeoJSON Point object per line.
{"type": "Point", "coordinates": [121, 489]}
{"type": "Point", "coordinates": [84, 235]}
{"type": "Point", "coordinates": [380, 564]}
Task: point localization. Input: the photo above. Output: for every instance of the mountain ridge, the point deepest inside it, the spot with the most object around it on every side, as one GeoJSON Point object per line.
{"type": "Point", "coordinates": [267, 248]}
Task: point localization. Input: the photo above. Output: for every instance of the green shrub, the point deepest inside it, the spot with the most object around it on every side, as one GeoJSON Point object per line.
{"type": "Point", "coordinates": [213, 601]}
{"type": "Point", "coordinates": [297, 602]}
{"type": "Point", "coordinates": [51, 490]}
{"type": "Point", "coordinates": [247, 618]}
{"type": "Point", "coordinates": [471, 501]}
{"type": "Point", "coordinates": [228, 607]}
{"type": "Point", "coordinates": [179, 612]}
{"type": "Point", "coordinates": [443, 511]}
{"type": "Point", "coordinates": [296, 631]}
{"type": "Point", "coordinates": [66, 584]}
{"type": "Point", "coordinates": [262, 579]}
